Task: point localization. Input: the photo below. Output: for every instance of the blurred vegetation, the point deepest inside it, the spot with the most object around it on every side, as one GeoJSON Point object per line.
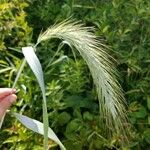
{"type": "Point", "coordinates": [72, 101]}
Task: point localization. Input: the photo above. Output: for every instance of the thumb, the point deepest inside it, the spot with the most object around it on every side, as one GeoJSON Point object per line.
{"type": "Point", "coordinates": [6, 103]}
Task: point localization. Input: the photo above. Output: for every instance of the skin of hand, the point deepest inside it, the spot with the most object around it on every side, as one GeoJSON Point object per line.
{"type": "Point", "coordinates": [7, 98]}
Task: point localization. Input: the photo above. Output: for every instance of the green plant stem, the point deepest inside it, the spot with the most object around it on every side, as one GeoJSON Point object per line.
{"type": "Point", "coordinates": [45, 114]}
{"type": "Point", "coordinates": [59, 48]}
{"type": "Point", "coordinates": [45, 121]}
{"type": "Point", "coordinates": [19, 72]}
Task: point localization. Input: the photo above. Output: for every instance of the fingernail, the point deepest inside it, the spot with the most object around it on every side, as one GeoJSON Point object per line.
{"type": "Point", "coordinates": [13, 91]}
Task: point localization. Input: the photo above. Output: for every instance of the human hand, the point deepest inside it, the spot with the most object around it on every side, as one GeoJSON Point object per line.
{"type": "Point", "coordinates": [7, 98]}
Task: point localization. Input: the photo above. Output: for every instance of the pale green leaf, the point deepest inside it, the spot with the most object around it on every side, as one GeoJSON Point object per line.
{"type": "Point", "coordinates": [37, 127]}
{"type": "Point", "coordinates": [5, 69]}
{"type": "Point", "coordinates": [36, 67]}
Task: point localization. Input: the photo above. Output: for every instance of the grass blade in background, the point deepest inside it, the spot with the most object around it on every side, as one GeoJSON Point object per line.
{"type": "Point", "coordinates": [1, 121]}
{"type": "Point", "coordinates": [5, 69]}
{"type": "Point", "coordinates": [38, 127]}
{"type": "Point", "coordinates": [35, 65]}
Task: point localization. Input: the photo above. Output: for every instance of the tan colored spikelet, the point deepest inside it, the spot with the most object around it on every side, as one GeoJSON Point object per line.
{"type": "Point", "coordinates": [110, 95]}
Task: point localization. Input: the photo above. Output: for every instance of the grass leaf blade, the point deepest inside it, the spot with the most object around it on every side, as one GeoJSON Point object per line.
{"type": "Point", "coordinates": [37, 127]}
{"type": "Point", "coordinates": [36, 67]}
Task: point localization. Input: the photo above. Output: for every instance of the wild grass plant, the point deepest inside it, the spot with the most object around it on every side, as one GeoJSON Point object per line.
{"type": "Point", "coordinates": [71, 96]}
{"type": "Point", "coordinates": [110, 95]}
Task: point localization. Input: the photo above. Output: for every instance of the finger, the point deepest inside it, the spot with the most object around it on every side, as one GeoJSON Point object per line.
{"type": "Point", "coordinates": [5, 92]}
{"type": "Point", "coordinates": [6, 103]}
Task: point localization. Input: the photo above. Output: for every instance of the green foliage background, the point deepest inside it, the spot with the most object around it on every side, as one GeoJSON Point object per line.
{"type": "Point", "coordinates": [72, 101]}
